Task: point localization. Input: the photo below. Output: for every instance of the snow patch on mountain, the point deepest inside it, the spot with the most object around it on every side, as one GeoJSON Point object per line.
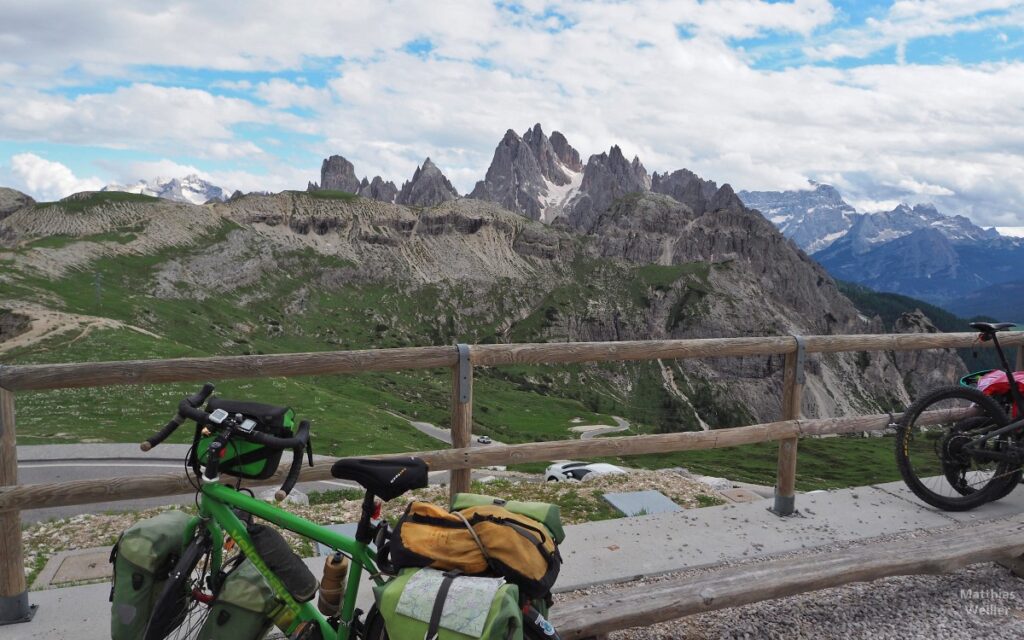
{"type": "Point", "coordinates": [553, 202]}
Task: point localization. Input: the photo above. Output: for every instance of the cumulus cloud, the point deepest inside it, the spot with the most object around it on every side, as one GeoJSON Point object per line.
{"type": "Point", "coordinates": [662, 78]}
{"type": "Point", "coordinates": [908, 20]}
{"type": "Point", "coordinates": [142, 115]}
{"type": "Point", "coordinates": [47, 180]}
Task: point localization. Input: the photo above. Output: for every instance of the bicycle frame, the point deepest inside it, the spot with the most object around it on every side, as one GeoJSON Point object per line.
{"type": "Point", "coordinates": [976, 446]}
{"type": "Point", "coordinates": [217, 517]}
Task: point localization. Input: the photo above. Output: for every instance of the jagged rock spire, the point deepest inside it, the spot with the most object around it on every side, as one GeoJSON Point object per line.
{"type": "Point", "coordinates": [428, 187]}
{"type": "Point", "coordinates": [338, 174]}
{"type": "Point", "coordinates": [527, 174]}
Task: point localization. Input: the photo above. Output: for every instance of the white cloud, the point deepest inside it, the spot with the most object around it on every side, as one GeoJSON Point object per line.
{"type": "Point", "coordinates": [908, 20]}
{"type": "Point", "coordinates": [620, 74]}
{"type": "Point", "coordinates": [47, 180]}
{"type": "Point", "coordinates": [281, 94]}
{"type": "Point", "coordinates": [872, 206]}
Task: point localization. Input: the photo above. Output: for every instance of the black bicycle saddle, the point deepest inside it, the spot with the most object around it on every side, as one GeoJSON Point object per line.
{"type": "Point", "coordinates": [990, 327]}
{"type": "Point", "coordinates": [385, 478]}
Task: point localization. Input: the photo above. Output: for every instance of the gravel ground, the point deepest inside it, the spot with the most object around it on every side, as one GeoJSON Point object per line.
{"type": "Point", "coordinates": [581, 500]}
{"type": "Point", "coordinates": [904, 607]}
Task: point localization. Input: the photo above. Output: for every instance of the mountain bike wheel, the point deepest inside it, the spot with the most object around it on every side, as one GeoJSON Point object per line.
{"type": "Point", "coordinates": [177, 614]}
{"type": "Point", "coordinates": [1013, 479]}
{"type": "Point", "coordinates": [930, 441]}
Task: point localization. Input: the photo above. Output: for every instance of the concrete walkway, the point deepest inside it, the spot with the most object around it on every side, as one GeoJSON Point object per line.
{"type": "Point", "coordinates": [627, 548]}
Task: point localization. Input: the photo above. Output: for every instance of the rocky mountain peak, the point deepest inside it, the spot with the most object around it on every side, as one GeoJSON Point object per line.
{"type": "Point", "coordinates": [378, 189]}
{"type": "Point", "coordinates": [429, 187]}
{"type": "Point", "coordinates": [514, 178]}
{"type": "Point", "coordinates": [726, 198]}
{"type": "Point", "coordinates": [686, 187]}
{"type": "Point", "coordinates": [606, 177]}
{"type": "Point", "coordinates": [566, 154]}
{"type": "Point", "coordinates": [526, 175]}
{"type": "Point", "coordinates": [11, 200]}
{"type": "Point", "coordinates": [191, 189]}
{"type": "Point", "coordinates": [812, 218]}
{"type": "Point", "coordinates": [338, 174]}
{"type": "Point", "coordinates": [827, 193]}
{"type": "Point", "coordinates": [547, 158]}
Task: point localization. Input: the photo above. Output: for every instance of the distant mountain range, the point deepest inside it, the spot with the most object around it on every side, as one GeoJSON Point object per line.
{"type": "Point", "coordinates": [542, 178]}
{"type": "Point", "coordinates": [912, 250]}
{"type": "Point", "coordinates": [546, 247]}
{"type": "Point", "coordinates": [915, 251]}
{"type": "Point", "coordinates": [191, 188]}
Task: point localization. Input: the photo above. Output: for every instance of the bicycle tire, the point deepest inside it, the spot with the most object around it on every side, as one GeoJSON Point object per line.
{"type": "Point", "coordinates": [930, 457]}
{"type": "Point", "coordinates": [175, 603]}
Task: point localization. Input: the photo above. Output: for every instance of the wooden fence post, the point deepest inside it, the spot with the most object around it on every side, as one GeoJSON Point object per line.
{"type": "Point", "coordinates": [462, 416]}
{"type": "Point", "coordinates": [14, 605]}
{"type": "Point", "coordinates": [792, 393]}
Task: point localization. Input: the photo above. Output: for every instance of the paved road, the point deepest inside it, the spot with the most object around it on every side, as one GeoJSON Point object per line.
{"type": "Point", "coordinates": [65, 463]}
{"type": "Point", "coordinates": [623, 425]}
{"type": "Point", "coordinates": [444, 435]}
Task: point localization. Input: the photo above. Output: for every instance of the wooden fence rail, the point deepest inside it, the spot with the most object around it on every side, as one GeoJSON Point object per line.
{"type": "Point", "coordinates": [99, 374]}
{"type": "Point", "coordinates": [59, 494]}
{"type": "Point", "coordinates": [461, 458]}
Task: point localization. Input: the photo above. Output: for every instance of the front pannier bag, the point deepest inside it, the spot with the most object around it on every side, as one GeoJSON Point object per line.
{"type": "Point", "coordinates": [142, 558]}
{"type": "Point", "coordinates": [482, 540]}
{"type": "Point", "coordinates": [243, 607]}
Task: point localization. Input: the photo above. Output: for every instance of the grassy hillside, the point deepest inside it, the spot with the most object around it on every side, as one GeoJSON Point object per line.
{"type": "Point", "coordinates": [308, 301]}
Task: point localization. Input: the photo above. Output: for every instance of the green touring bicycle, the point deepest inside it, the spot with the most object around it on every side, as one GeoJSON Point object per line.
{"type": "Point", "coordinates": [224, 558]}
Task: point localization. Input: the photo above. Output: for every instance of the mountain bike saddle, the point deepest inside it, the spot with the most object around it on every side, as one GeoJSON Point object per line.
{"type": "Point", "coordinates": [990, 327]}
{"type": "Point", "coordinates": [385, 478]}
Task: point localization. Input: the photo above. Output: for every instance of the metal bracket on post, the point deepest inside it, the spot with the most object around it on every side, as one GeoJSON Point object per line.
{"type": "Point", "coordinates": [463, 372]}
{"type": "Point", "coordinates": [784, 506]}
{"type": "Point", "coordinates": [16, 609]}
{"type": "Point", "coordinates": [801, 357]}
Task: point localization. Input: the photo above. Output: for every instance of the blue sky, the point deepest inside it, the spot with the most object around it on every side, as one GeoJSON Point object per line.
{"type": "Point", "coordinates": [890, 101]}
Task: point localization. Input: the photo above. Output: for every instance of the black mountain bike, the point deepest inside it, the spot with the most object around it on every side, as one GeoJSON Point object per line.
{"type": "Point", "coordinates": [958, 448]}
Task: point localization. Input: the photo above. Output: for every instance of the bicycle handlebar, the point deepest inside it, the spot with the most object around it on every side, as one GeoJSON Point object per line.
{"type": "Point", "coordinates": [189, 409]}
{"type": "Point", "coordinates": [293, 474]}
{"type": "Point", "coordinates": [185, 409]}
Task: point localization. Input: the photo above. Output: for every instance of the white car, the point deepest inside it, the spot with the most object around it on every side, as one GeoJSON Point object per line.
{"type": "Point", "coordinates": [576, 471]}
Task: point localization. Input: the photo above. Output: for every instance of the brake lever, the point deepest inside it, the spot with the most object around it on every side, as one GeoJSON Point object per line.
{"type": "Point", "coordinates": [309, 450]}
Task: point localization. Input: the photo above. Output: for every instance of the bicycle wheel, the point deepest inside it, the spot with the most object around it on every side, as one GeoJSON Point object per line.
{"type": "Point", "coordinates": [1012, 480]}
{"type": "Point", "coordinates": [177, 613]}
{"type": "Point", "coordinates": [930, 449]}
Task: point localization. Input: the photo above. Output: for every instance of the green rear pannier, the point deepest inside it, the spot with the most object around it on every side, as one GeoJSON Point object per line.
{"type": "Point", "coordinates": [474, 608]}
{"type": "Point", "coordinates": [243, 608]}
{"type": "Point", "coordinates": [142, 558]}
{"type": "Point", "coordinates": [548, 514]}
